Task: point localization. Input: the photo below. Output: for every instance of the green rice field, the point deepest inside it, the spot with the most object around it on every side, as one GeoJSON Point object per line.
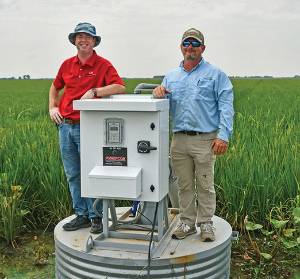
{"type": "Point", "coordinates": [259, 177]}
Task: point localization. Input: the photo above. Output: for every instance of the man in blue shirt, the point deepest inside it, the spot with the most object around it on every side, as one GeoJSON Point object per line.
{"type": "Point", "coordinates": [201, 106]}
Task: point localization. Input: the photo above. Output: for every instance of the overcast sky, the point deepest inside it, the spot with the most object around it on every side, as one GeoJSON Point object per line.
{"type": "Point", "coordinates": [141, 38]}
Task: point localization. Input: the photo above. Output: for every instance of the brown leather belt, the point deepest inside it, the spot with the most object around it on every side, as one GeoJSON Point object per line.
{"type": "Point", "coordinates": [71, 121]}
{"type": "Point", "coordinates": [189, 133]}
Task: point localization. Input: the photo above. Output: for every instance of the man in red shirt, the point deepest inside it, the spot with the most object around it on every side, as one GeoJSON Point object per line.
{"type": "Point", "coordinates": [84, 76]}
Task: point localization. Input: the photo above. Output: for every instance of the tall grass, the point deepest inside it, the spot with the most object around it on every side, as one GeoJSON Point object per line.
{"type": "Point", "coordinates": [29, 152]}
{"type": "Point", "coordinates": [11, 210]}
{"type": "Point", "coordinates": [260, 171]}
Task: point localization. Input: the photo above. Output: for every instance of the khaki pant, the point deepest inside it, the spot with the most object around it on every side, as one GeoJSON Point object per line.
{"type": "Point", "coordinates": [193, 159]}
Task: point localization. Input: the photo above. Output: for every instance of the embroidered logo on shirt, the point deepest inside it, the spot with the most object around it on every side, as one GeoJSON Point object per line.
{"type": "Point", "coordinates": [91, 73]}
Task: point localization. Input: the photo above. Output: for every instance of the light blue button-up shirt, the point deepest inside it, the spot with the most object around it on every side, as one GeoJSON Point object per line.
{"type": "Point", "coordinates": [200, 100]}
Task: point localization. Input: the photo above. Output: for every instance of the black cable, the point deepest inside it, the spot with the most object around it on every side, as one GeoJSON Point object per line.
{"type": "Point", "coordinates": [140, 212]}
{"type": "Point", "coordinates": [150, 241]}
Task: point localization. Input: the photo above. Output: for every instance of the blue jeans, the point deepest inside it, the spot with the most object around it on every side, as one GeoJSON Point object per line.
{"type": "Point", "coordinates": [69, 141]}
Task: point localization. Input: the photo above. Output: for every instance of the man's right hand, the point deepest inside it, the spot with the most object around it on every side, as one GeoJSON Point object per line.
{"type": "Point", "coordinates": [55, 115]}
{"type": "Point", "coordinates": [159, 92]}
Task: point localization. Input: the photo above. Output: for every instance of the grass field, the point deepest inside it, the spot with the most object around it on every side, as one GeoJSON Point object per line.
{"type": "Point", "coordinates": [258, 179]}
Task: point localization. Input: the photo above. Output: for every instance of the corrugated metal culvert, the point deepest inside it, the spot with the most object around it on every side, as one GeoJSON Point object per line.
{"type": "Point", "coordinates": [187, 258]}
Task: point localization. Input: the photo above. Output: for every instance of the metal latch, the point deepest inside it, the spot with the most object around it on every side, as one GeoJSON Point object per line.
{"type": "Point", "coordinates": [143, 146]}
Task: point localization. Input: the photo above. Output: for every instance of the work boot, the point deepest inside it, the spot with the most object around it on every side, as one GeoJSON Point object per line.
{"type": "Point", "coordinates": [183, 230]}
{"type": "Point", "coordinates": [207, 232]}
{"type": "Point", "coordinates": [97, 226]}
{"type": "Point", "coordinates": [78, 222]}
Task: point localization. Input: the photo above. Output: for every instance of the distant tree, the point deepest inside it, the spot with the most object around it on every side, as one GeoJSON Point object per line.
{"type": "Point", "coordinates": [26, 77]}
{"type": "Point", "coordinates": [20, 77]}
{"type": "Point", "coordinates": [159, 77]}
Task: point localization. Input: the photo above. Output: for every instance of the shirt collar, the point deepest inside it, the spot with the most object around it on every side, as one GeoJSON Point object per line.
{"type": "Point", "coordinates": [202, 61]}
{"type": "Point", "coordinates": [90, 62]}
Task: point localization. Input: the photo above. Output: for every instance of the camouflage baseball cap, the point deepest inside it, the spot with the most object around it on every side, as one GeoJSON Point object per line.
{"type": "Point", "coordinates": [193, 33]}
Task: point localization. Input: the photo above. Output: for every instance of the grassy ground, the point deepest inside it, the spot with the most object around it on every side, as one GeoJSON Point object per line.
{"type": "Point", "coordinates": [246, 264]}
{"type": "Point", "coordinates": [32, 258]}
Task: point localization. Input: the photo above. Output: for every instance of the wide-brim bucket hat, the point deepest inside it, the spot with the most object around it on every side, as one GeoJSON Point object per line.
{"type": "Point", "coordinates": [84, 27]}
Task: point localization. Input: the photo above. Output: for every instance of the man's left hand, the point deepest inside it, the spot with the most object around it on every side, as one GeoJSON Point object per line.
{"type": "Point", "coordinates": [88, 95]}
{"type": "Point", "coordinates": [219, 146]}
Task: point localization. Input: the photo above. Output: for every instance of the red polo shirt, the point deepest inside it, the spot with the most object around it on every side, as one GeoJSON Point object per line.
{"type": "Point", "coordinates": [77, 78]}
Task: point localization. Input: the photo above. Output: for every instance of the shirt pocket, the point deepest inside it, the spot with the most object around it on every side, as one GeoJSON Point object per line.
{"type": "Point", "coordinates": [203, 89]}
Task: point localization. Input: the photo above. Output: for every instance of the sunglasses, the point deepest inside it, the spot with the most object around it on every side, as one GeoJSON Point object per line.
{"type": "Point", "coordinates": [193, 43]}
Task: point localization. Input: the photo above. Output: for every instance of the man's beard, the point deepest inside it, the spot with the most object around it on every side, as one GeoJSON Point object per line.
{"type": "Point", "coordinates": [190, 57]}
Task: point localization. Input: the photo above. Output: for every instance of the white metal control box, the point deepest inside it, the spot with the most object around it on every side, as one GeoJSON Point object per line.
{"type": "Point", "coordinates": [124, 147]}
